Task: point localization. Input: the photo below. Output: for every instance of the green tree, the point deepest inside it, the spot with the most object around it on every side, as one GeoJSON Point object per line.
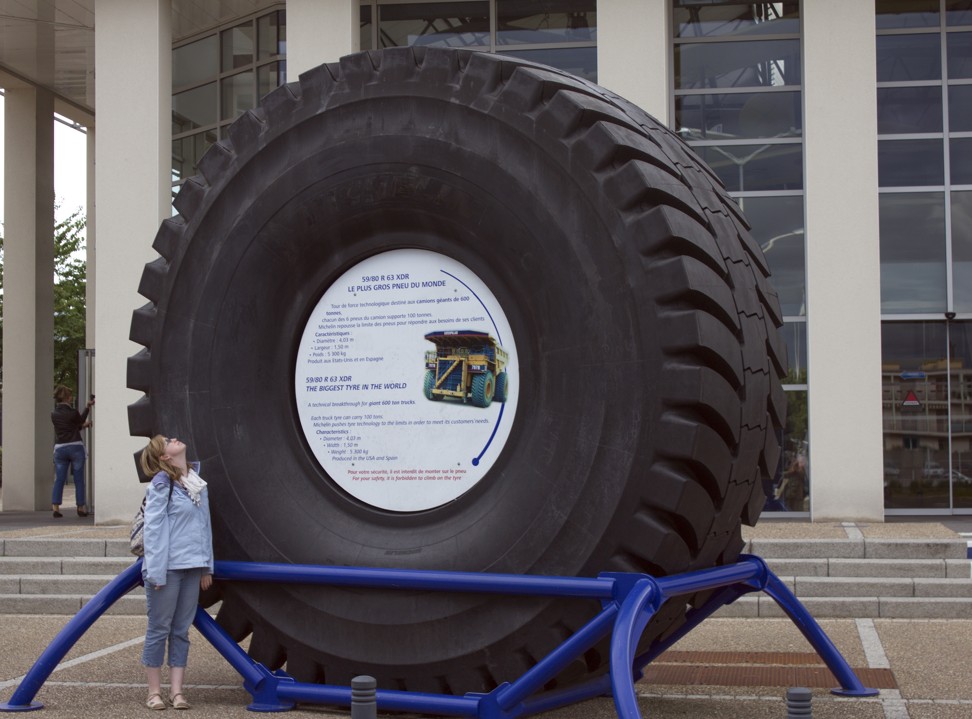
{"type": "Point", "coordinates": [69, 297]}
{"type": "Point", "coordinates": [70, 269]}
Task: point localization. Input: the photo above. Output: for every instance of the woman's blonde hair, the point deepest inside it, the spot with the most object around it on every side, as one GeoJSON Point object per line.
{"type": "Point", "coordinates": [62, 394]}
{"type": "Point", "coordinates": [152, 462]}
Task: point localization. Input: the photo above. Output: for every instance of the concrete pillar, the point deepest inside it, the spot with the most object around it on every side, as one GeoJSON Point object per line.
{"type": "Point", "coordinates": [28, 307]}
{"type": "Point", "coordinates": [91, 242]}
{"type": "Point", "coordinates": [133, 51]}
{"type": "Point", "coordinates": [843, 261]}
{"type": "Point", "coordinates": [320, 31]}
{"type": "Point", "coordinates": [633, 59]}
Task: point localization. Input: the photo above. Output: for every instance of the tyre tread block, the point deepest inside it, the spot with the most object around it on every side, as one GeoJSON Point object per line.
{"type": "Point", "coordinates": [685, 282]}
{"type": "Point", "coordinates": [169, 238]}
{"type": "Point", "coordinates": [754, 357]}
{"type": "Point", "coordinates": [139, 371]}
{"type": "Point", "coordinates": [699, 334]}
{"type": "Point", "coordinates": [641, 186]}
{"type": "Point", "coordinates": [142, 329]}
{"type": "Point", "coordinates": [283, 103]}
{"type": "Point", "coordinates": [191, 196]}
{"type": "Point", "coordinates": [568, 113]}
{"type": "Point", "coordinates": [754, 505]}
{"type": "Point", "coordinates": [674, 492]}
{"type": "Point", "coordinates": [751, 443]}
{"type": "Point", "coordinates": [701, 448]}
{"type": "Point", "coordinates": [667, 231]}
{"type": "Point", "coordinates": [662, 547]}
{"type": "Point", "coordinates": [755, 413]}
{"type": "Point", "coordinates": [705, 391]}
{"type": "Point", "coordinates": [244, 133]}
{"type": "Point", "coordinates": [141, 417]}
{"type": "Point", "coordinates": [607, 146]}
{"type": "Point", "coordinates": [153, 279]}
{"type": "Point", "coordinates": [266, 649]}
{"type": "Point", "coordinates": [216, 161]}
{"type": "Point", "coordinates": [770, 456]}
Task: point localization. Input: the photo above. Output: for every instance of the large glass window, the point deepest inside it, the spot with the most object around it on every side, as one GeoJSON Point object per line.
{"type": "Point", "coordinates": [219, 76]}
{"type": "Point", "coordinates": [924, 91]}
{"type": "Point", "coordinates": [738, 103]}
{"type": "Point", "coordinates": [559, 33]}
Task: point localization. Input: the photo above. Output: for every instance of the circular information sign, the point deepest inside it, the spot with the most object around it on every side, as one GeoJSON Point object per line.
{"type": "Point", "coordinates": [406, 380]}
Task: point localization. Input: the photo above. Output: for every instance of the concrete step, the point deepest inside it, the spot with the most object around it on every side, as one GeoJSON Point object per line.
{"type": "Point", "coordinates": [856, 607]}
{"type": "Point", "coordinates": [880, 587]}
{"type": "Point", "coordinates": [37, 584]}
{"type": "Point", "coordinates": [65, 604]}
{"type": "Point", "coordinates": [80, 547]}
{"type": "Point", "coordinates": [865, 548]}
{"type": "Point", "coordinates": [74, 565]}
{"type": "Point", "coordinates": [890, 568]}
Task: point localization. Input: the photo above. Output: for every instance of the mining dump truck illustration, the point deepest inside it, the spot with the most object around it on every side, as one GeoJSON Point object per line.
{"type": "Point", "coordinates": [466, 365]}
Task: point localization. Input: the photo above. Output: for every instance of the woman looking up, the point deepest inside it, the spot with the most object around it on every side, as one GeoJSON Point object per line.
{"type": "Point", "coordinates": [178, 562]}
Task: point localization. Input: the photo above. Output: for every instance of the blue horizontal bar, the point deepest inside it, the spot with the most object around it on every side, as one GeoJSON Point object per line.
{"type": "Point", "coordinates": [386, 699]}
{"type": "Point", "coordinates": [384, 578]}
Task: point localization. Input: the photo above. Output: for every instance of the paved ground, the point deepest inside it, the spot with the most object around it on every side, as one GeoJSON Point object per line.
{"type": "Point", "coordinates": [927, 660]}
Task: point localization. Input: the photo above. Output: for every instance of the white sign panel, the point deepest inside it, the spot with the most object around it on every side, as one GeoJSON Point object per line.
{"type": "Point", "coordinates": [406, 380]}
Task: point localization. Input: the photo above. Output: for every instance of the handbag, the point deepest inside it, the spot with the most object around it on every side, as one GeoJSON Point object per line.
{"type": "Point", "coordinates": [136, 536]}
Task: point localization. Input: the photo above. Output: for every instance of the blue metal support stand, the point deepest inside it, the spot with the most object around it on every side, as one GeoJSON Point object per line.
{"type": "Point", "coordinates": [628, 602]}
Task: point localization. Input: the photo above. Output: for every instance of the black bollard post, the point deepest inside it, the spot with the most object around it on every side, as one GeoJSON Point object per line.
{"type": "Point", "coordinates": [798, 703]}
{"type": "Point", "coordinates": [363, 702]}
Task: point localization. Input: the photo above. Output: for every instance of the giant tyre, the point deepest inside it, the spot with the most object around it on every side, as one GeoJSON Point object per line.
{"type": "Point", "coordinates": [618, 257]}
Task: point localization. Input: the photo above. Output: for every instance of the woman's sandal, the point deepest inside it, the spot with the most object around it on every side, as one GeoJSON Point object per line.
{"type": "Point", "coordinates": [155, 701]}
{"type": "Point", "coordinates": [178, 701]}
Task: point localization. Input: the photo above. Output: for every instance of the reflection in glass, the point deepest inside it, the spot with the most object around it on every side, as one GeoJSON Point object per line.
{"type": "Point", "coordinates": [914, 374]}
{"type": "Point", "coordinates": [739, 116]}
{"type": "Point", "coordinates": [194, 108]}
{"type": "Point", "coordinates": [237, 46]}
{"type": "Point", "coordinates": [272, 35]}
{"type": "Point", "coordinates": [195, 62]}
{"type": "Point", "coordinates": [789, 491]}
{"type": "Point", "coordinates": [912, 227]}
{"type": "Point", "coordinates": [795, 336]}
{"type": "Point", "coordinates": [907, 13]}
{"type": "Point", "coordinates": [908, 57]}
{"type": "Point", "coordinates": [960, 108]}
{"type": "Point", "coordinates": [580, 61]}
{"type": "Point", "coordinates": [910, 163]}
{"type": "Point", "coordinates": [960, 160]}
{"type": "Point", "coordinates": [904, 110]}
{"type": "Point", "coordinates": [962, 250]}
{"type": "Point", "coordinates": [365, 27]}
{"type": "Point", "coordinates": [959, 55]}
{"type": "Point", "coordinates": [527, 21]}
{"type": "Point", "coordinates": [237, 95]}
{"type": "Point", "coordinates": [762, 63]}
{"type": "Point", "coordinates": [778, 227]}
{"type": "Point", "coordinates": [960, 404]}
{"type": "Point", "coordinates": [270, 77]}
{"type": "Point", "coordinates": [958, 12]}
{"type": "Point", "coordinates": [448, 24]}
{"type": "Point", "coordinates": [756, 167]}
{"type": "Point", "coordinates": [694, 19]}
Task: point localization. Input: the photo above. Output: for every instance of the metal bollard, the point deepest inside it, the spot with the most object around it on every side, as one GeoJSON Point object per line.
{"type": "Point", "coordinates": [798, 703]}
{"type": "Point", "coordinates": [363, 702]}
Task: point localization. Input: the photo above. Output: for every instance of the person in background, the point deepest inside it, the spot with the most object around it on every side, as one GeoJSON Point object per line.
{"type": "Point", "coordinates": [69, 450]}
{"type": "Point", "coordinates": [178, 562]}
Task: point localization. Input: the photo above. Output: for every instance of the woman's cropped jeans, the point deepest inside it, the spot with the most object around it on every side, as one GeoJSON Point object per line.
{"type": "Point", "coordinates": [69, 455]}
{"type": "Point", "coordinates": [170, 613]}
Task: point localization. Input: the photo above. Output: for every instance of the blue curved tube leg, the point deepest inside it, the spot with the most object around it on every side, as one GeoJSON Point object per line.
{"type": "Point", "coordinates": [637, 608]}
{"type": "Point", "coordinates": [22, 699]}
{"type": "Point", "coordinates": [850, 685]}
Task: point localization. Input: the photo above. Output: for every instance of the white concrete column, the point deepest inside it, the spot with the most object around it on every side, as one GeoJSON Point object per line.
{"type": "Point", "coordinates": [633, 59]}
{"type": "Point", "coordinates": [28, 306]}
{"type": "Point", "coordinates": [133, 51]}
{"type": "Point", "coordinates": [843, 260]}
{"type": "Point", "coordinates": [91, 287]}
{"type": "Point", "coordinates": [320, 31]}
